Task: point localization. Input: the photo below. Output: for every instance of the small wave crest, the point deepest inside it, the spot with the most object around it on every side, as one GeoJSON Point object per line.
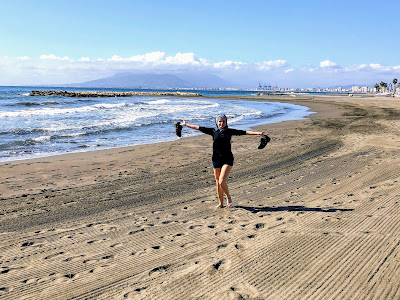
{"type": "Point", "coordinates": [26, 143]}
{"type": "Point", "coordinates": [30, 103]}
{"type": "Point", "coordinates": [158, 102]}
{"type": "Point", "coordinates": [60, 111]}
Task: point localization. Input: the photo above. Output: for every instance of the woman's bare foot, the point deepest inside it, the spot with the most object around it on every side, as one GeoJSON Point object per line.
{"type": "Point", "coordinates": [229, 205]}
{"type": "Point", "coordinates": [219, 206]}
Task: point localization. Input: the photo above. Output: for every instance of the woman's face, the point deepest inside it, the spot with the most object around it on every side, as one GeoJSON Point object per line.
{"type": "Point", "coordinates": [221, 123]}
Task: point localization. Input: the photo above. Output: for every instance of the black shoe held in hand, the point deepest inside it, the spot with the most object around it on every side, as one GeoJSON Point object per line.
{"type": "Point", "coordinates": [178, 129]}
{"type": "Point", "coordinates": [264, 141]}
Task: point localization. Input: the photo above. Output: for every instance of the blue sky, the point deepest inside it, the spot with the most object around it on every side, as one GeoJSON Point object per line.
{"type": "Point", "coordinates": [291, 43]}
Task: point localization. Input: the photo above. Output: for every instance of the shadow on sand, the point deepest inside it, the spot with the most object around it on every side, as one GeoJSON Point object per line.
{"type": "Point", "coordinates": [255, 210]}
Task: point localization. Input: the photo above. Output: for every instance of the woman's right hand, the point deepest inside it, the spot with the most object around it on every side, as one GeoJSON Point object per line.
{"type": "Point", "coordinates": [183, 123]}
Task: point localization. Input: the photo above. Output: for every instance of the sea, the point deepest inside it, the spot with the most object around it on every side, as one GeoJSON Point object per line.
{"type": "Point", "coordinates": [33, 127]}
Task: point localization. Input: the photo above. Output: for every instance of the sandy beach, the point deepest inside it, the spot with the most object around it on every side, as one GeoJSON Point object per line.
{"type": "Point", "coordinates": [316, 215]}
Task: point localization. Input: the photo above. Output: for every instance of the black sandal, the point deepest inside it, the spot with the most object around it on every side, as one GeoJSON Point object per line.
{"type": "Point", "coordinates": [178, 129]}
{"type": "Point", "coordinates": [264, 142]}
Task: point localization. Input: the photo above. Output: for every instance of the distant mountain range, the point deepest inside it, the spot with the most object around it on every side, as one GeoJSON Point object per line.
{"type": "Point", "coordinates": [157, 81]}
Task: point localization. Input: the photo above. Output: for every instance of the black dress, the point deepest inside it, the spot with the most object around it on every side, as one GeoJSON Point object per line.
{"type": "Point", "coordinates": [222, 151]}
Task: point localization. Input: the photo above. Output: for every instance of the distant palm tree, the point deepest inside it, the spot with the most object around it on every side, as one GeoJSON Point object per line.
{"type": "Point", "coordinates": [394, 85]}
{"type": "Point", "coordinates": [383, 86]}
{"type": "Point", "coordinates": [376, 86]}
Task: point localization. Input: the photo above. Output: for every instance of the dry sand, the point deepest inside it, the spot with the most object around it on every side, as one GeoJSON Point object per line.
{"type": "Point", "coordinates": [316, 215]}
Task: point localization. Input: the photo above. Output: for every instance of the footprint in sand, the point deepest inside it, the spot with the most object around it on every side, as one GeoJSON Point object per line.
{"type": "Point", "coordinates": [220, 266]}
{"type": "Point", "coordinates": [134, 294]}
{"type": "Point", "coordinates": [147, 250]}
{"type": "Point", "coordinates": [96, 241]}
{"type": "Point", "coordinates": [54, 255]}
{"type": "Point", "coordinates": [158, 270]}
{"type": "Point", "coordinates": [74, 258]}
{"type": "Point", "coordinates": [177, 237]}
{"type": "Point", "coordinates": [242, 291]}
{"type": "Point", "coordinates": [5, 270]}
{"type": "Point", "coordinates": [239, 246]}
{"type": "Point", "coordinates": [259, 226]}
{"type": "Point", "coordinates": [222, 246]}
{"type": "Point", "coordinates": [30, 281]}
{"type": "Point", "coordinates": [194, 226]}
{"type": "Point", "coordinates": [4, 289]}
{"type": "Point", "coordinates": [187, 244]}
{"type": "Point", "coordinates": [27, 244]}
{"type": "Point", "coordinates": [136, 231]}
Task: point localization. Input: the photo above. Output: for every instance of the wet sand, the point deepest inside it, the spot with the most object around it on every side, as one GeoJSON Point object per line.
{"type": "Point", "coordinates": [316, 215]}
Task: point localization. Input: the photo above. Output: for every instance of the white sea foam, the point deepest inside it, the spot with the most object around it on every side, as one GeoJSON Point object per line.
{"type": "Point", "coordinates": [58, 111]}
{"type": "Point", "coordinates": [41, 139]}
{"type": "Point", "coordinates": [158, 102]}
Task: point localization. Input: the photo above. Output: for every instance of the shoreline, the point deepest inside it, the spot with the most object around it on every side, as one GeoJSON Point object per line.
{"type": "Point", "coordinates": [139, 222]}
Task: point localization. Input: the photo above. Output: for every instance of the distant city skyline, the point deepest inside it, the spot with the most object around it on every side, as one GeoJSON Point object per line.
{"type": "Point", "coordinates": [302, 44]}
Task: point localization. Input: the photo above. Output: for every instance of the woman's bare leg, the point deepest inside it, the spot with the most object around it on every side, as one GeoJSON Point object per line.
{"type": "Point", "coordinates": [223, 177]}
{"type": "Point", "coordinates": [220, 192]}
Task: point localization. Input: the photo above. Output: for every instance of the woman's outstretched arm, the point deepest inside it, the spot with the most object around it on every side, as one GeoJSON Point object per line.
{"type": "Point", "coordinates": [250, 132]}
{"type": "Point", "coordinates": [196, 127]}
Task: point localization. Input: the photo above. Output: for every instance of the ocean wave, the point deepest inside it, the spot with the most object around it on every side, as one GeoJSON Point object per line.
{"type": "Point", "coordinates": [158, 102]}
{"type": "Point", "coordinates": [60, 111]}
{"type": "Point", "coordinates": [42, 139]}
{"type": "Point", "coordinates": [51, 102]}
{"type": "Point", "coordinates": [162, 105]}
{"type": "Point", "coordinates": [23, 143]}
{"type": "Point", "coordinates": [20, 131]}
{"type": "Point", "coordinates": [71, 135]}
{"type": "Point", "coordinates": [30, 103]}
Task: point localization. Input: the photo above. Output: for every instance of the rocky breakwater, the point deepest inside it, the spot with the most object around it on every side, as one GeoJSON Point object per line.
{"type": "Point", "coordinates": [111, 94]}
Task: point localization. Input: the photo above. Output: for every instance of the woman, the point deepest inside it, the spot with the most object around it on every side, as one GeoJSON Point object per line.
{"type": "Point", "coordinates": [222, 158]}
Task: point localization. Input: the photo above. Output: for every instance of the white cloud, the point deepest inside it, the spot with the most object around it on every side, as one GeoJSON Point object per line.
{"type": "Point", "coordinates": [271, 64]}
{"type": "Point", "coordinates": [116, 58]}
{"type": "Point", "coordinates": [229, 64]}
{"type": "Point", "coordinates": [380, 68]}
{"type": "Point", "coordinates": [311, 69]}
{"type": "Point", "coordinates": [182, 59]}
{"type": "Point", "coordinates": [154, 56]}
{"type": "Point", "coordinates": [327, 64]}
{"type": "Point", "coordinates": [375, 66]}
{"type": "Point", "coordinates": [54, 57]}
{"type": "Point", "coordinates": [51, 69]}
{"type": "Point", "coordinates": [158, 57]}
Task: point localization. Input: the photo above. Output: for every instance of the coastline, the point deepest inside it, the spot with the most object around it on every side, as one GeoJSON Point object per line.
{"type": "Point", "coordinates": [139, 221]}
